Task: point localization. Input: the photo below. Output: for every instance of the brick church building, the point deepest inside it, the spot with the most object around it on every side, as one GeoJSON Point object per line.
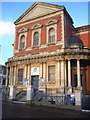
{"type": "Point", "coordinates": [49, 51]}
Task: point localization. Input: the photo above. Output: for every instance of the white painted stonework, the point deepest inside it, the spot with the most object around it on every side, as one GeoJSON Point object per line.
{"type": "Point", "coordinates": [38, 11]}
{"type": "Point", "coordinates": [12, 92]}
{"type": "Point", "coordinates": [78, 97]}
{"type": "Point", "coordinates": [29, 93]}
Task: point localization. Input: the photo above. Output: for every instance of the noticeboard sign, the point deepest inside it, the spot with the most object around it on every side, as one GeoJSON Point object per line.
{"type": "Point", "coordinates": [35, 71]}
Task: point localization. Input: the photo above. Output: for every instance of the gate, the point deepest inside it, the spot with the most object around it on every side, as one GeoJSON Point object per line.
{"type": "Point", "coordinates": [85, 102]}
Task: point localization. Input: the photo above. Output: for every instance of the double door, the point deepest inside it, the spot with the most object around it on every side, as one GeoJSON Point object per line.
{"type": "Point", "coordinates": [34, 83]}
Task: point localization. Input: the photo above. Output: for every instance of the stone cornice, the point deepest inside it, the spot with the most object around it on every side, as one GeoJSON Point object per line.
{"type": "Point", "coordinates": [49, 56]}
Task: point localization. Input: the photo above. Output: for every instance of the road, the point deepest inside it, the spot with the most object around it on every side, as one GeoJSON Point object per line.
{"type": "Point", "coordinates": [17, 110]}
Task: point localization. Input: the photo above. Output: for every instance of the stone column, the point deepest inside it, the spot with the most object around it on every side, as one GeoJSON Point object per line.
{"type": "Point", "coordinates": [28, 73]}
{"type": "Point", "coordinates": [11, 75]}
{"type": "Point", "coordinates": [7, 76]}
{"type": "Point", "coordinates": [62, 75]}
{"type": "Point", "coordinates": [58, 77]}
{"type": "Point", "coordinates": [12, 88]}
{"type": "Point", "coordinates": [65, 83]}
{"type": "Point", "coordinates": [78, 74]}
{"type": "Point", "coordinates": [14, 76]}
{"type": "Point", "coordinates": [41, 70]}
{"type": "Point", "coordinates": [78, 98]}
{"type": "Point", "coordinates": [69, 77]}
{"type": "Point", "coordinates": [12, 91]}
{"type": "Point", "coordinates": [29, 94]}
{"type": "Point", "coordinates": [44, 70]}
{"type": "Point", "coordinates": [78, 92]}
{"type": "Point", "coordinates": [25, 71]}
{"type": "Point", "coordinates": [44, 78]}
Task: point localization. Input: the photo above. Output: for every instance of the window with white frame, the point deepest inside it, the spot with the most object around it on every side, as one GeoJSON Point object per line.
{"type": "Point", "coordinates": [51, 73]}
{"type": "Point", "coordinates": [36, 39]}
{"type": "Point", "coordinates": [51, 38]}
{"type": "Point", "coordinates": [22, 42]}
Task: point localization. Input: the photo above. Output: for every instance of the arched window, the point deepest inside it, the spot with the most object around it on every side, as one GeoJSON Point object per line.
{"type": "Point", "coordinates": [22, 42]}
{"type": "Point", "coordinates": [36, 39]}
{"type": "Point", "coordinates": [51, 35]}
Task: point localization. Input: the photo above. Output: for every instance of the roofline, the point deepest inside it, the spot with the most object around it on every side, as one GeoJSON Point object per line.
{"type": "Point", "coordinates": [84, 26]}
{"type": "Point", "coordinates": [81, 29]}
{"type": "Point", "coordinates": [68, 14]}
{"type": "Point", "coordinates": [45, 4]}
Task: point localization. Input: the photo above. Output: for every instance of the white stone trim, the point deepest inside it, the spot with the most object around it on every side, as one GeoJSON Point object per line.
{"type": "Point", "coordinates": [36, 26]}
{"type": "Point", "coordinates": [62, 30]}
{"type": "Point", "coordinates": [22, 30]}
{"type": "Point", "coordinates": [51, 22]}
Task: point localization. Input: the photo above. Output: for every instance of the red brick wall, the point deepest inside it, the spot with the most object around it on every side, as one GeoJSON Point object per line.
{"type": "Point", "coordinates": [88, 80]}
{"type": "Point", "coordinates": [68, 28]}
{"type": "Point", "coordinates": [43, 32]}
{"type": "Point", "coordinates": [85, 38]}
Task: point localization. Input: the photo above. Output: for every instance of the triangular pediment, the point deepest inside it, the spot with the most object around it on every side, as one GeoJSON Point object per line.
{"type": "Point", "coordinates": [38, 9]}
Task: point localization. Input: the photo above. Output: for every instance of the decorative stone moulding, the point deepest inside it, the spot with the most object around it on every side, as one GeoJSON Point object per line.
{"type": "Point", "coordinates": [51, 22]}
{"type": "Point", "coordinates": [36, 26]}
{"type": "Point", "coordinates": [22, 30]}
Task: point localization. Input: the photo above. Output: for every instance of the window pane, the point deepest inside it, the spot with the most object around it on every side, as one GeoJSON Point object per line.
{"type": "Point", "coordinates": [51, 73]}
{"type": "Point", "coordinates": [36, 39]}
{"type": "Point", "coordinates": [51, 35]}
{"type": "Point", "coordinates": [22, 41]}
{"type": "Point", "coordinates": [20, 75]}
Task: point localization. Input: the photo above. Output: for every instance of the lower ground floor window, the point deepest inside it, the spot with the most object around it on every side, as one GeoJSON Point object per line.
{"type": "Point", "coordinates": [51, 73]}
{"type": "Point", "coordinates": [20, 75]}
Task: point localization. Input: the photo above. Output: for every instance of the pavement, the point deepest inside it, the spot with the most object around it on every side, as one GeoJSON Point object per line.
{"type": "Point", "coordinates": [48, 104]}
{"type": "Point", "coordinates": [16, 110]}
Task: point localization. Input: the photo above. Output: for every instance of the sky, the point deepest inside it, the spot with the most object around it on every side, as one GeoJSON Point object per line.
{"type": "Point", "coordinates": [11, 10]}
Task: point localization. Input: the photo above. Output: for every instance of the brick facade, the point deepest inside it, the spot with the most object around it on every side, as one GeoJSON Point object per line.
{"type": "Point", "coordinates": [70, 63]}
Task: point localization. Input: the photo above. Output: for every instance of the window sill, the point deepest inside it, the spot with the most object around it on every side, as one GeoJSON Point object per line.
{"type": "Point", "coordinates": [51, 82]}
{"type": "Point", "coordinates": [50, 44]}
{"type": "Point", "coordinates": [35, 46]}
{"type": "Point", "coordinates": [21, 49]}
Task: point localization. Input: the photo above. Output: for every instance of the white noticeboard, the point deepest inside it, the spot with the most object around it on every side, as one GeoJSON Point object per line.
{"type": "Point", "coordinates": [35, 71]}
